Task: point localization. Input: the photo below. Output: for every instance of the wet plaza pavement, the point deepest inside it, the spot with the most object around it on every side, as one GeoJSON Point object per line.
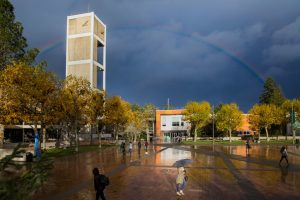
{"type": "Point", "coordinates": [217, 172]}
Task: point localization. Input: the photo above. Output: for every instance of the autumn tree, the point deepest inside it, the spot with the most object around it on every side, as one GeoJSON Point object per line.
{"type": "Point", "coordinates": [95, 111]}
{"type": "Point", "coordinates": [142, 116]}
{"type": "Point", "coordinates": [136, 125]}
{"type": "Point", "coordinates": [28, 94]}
{"type": "Point", "coordinates": [263, 116]}
{"type": "Point", "coordinates": [271, 93]}
{"type": "Point", "coordinates": [148, 115]}
{"type": "Point", "coordinates": [12, 43]}
{"type": "Point", "coordinates": [228, 118]}
{"type": "Point", "coordinates": [197, 114]}
{"type": "Point", "coordinates": [117, 114]}
{"type": "Point", "coordinates": [75, 98]}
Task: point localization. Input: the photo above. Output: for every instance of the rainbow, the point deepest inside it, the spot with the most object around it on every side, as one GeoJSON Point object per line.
{"type": "Point", "coordinates": [51, 45]}
{"type": "Point", "coordinates": [232, 56]}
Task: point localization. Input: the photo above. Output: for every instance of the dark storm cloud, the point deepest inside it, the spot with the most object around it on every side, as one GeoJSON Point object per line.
{"type": "Point", "coordinates": [286, 44]}
{"type": "Point", "coordinates": [180, 49]}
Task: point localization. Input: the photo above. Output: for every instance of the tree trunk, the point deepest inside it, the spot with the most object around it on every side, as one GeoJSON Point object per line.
{"type": "Point", "coordinates": [230, 135]}
{"type": "Point", "coordinates": [286, 134]}
{"type": "Point", "coordinates": [99, 135]}
{"type": "Point", "coordinates": [116, 134]}
{"type": "Point", "coordinates": [76, 137]}
{"type": "Point", "coordinates": [294, 135]}
{"type": "Point", "coordinates": [195, 134]}
{"type": "Point", "coordinates": [91, 132]}
{"type": "Point", "coordinates": [72, 134]}
{"type": "Point", "coordinates": [267, 133]}
{"type": "Point", "coordinates": [135, 136]}
{"type": "Point", "coordinates": [44, 136]}
{"type": "Point", "coordinates": [148, 136]}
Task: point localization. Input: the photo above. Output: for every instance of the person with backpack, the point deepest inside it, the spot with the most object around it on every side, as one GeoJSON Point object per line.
{"type": "Point", "coordinates": [284, 154]}
{"type": "Point", "coordinates": [100, 182]}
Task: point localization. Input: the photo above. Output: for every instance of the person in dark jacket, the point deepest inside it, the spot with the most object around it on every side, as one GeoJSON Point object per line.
{"type": "Point", "coordinates": [146, 146]}
{"type": "Point", "coordinates": [139, 146]}
{"type": "Point", "coordinates": [123, 148]}
{"type": "Point", "coordinates": [99, 187]}
{"type": "Point", "coordinates": [247, 145]}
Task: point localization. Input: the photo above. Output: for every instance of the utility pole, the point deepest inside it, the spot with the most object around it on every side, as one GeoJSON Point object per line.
{"type": "Point", "coordinates": [168, 104]}
{"type": "Point", "coordinates": [293, 119]}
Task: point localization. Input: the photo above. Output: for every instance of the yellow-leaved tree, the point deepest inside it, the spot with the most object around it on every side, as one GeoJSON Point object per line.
{"type": "Point", "coordinates": [263, 116]}
{"type": "Point", "coordinates": [148, 115]}
{"type": "Point", "coordinates": [197, 114]}
{"type": "Point", "coordinates": [136, 125]}
{"type": "Point", "coordinates": [95, 111]}
{"type": "Point", "coordinates": [29, 94]}
{"type": "Point", "coordinates": [228, 118]}
{"type": "Point", "coordinates": [75, 97]}
{"type": "Point", "coordinates": [117, 114]}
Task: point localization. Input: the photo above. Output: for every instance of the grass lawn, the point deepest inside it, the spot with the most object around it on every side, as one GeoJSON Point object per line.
{"type": "Point", "coordinates": [59, 152]}
{"type": "Point", "coordinates": [211, 142]}
{"type": "Point", "coordinates": [236, 142]}
{"type": "Point", "coordinates": [276, 142]}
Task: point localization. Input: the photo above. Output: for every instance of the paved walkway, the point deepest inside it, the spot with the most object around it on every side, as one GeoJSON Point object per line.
{"type": "Point", "coordinates": [217, 172]}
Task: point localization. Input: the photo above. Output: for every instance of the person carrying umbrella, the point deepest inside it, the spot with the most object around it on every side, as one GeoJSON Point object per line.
{"type": "Point", "coordinates": [182, 178]}
{"type": "Point", "coordinates": [180, 181]}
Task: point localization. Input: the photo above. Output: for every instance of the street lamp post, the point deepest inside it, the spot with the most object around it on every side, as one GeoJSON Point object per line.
{"type": "Point", "coordinates": [213, 123]}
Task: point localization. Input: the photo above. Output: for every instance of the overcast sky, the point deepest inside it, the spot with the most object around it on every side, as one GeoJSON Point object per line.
{"type": "Point", "coordinates": [215, 50]}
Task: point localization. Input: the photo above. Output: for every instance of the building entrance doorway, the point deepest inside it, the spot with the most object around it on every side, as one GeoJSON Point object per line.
{"type": "Point", "coordinates": [173, 137]}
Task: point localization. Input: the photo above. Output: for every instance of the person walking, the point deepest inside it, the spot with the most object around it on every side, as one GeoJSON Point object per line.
{"type": "Point", "coordinates": [284, 154]}
{"type": "Point", "coordinates": [247, 145]}
{"type": "Point", "coordinates": [130, 149]}
{"type": "Point", "coordinates": [99, 184]}
{"type": "Point", "coordinates": [139, 147]}
{"type": "Point", "coordinates": [146, 146]}
{"type": "Point", "coordinates": [123, 148]}
{"type": "Point", "coordinates": [185, 180]}
{"type": "Point", "coordinates": [180, 181]}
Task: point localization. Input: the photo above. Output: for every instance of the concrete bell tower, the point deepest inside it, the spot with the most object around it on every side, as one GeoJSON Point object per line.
{"type": "Point", "coordinates": [86, 36]}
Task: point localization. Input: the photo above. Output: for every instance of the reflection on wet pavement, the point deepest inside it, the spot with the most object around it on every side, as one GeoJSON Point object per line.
{"type": "Point", "coordinates": [217, 172]}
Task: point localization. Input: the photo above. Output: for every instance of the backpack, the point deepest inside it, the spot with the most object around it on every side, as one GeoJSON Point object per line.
{"type": "Point", "coordinates": [104, 180]}
{"type": "Point", "coordinates": [186, 178]}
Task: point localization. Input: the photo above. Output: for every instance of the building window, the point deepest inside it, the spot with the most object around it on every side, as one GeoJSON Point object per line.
{"type": "Point", "coordinates": [182, 123]}
{"type": "Point", "coordinates": [175, 121]}
{"type": "Point", "coordinates": [163, 121]}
